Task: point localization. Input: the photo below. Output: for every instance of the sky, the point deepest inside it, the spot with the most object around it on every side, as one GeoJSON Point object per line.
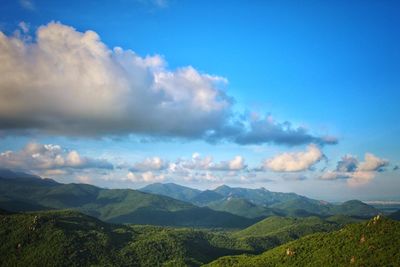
{"type": "Point", "coordinates": [287, 95]}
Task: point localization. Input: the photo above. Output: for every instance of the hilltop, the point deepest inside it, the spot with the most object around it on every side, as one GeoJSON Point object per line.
{"type": "Point", "coordinates": [371, 243]}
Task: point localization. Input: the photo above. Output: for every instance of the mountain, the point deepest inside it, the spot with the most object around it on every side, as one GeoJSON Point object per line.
{"type": "Point", "coordinates": [69, 238]}
{"type": "Point", "coordinates": [171, 190]}
{"type": "Point", "coordinates": [259, 196]}
{"type": "Point", "coordinates": [111, 205]}
{"type": "Point", "coordinates": [371, 243]}
{"type": "Point", "coordinates": [206, 197]}
{"type": "Point", "coordinates": [8, 174]}
{"type": "Point", "coordinates": [241, 207]}
{"type": "Point", "coordinates": [305, 207]}
{"type": "Point", "coordinates": [355, 208]}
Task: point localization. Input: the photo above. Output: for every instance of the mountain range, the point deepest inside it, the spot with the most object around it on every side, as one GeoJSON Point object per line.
{"type": "Point", "coordinates": [46, 223]}
{"type": "Point", "coordinates": [166, 204]}
{"type": "Point", "coordinates": [260, 203]}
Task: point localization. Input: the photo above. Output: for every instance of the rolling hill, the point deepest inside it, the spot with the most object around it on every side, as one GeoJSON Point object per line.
{"type": "Point", "coordinates": [371, 243]}
{"type": "Point", "coordinates": [111, 205]}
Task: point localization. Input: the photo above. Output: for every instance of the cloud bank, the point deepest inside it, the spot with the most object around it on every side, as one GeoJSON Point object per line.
{"type": "Point", "coordinates": [65, 82]}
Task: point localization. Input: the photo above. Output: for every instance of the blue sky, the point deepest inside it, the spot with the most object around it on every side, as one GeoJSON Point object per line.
{"type": "Point", "coordinates": [330, 69]}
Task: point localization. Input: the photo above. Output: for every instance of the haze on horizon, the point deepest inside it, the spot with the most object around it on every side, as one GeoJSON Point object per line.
{"type": "Point", "coordinates": [291, 97]}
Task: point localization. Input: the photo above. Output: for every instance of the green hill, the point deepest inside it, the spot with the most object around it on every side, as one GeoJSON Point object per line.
{"type": "Point", "coordinates": [171, 190]}
{"type": "Point", "coordinates": [68, 238]}
{"type": "Point", "coordinates": [241, 207]}
{"type": "Point", "coordinates": [206, 197]}
{"type": "Point", "coordinates": [260, 196]}
{"type": "Point", "coordinates": [372, 243]}
{"type": "Point", "coordinates": [305, 207]}
{"type": "Point", "coordinates": [112, 205]}
{"type": "Point", "coordinates": [275, 230]}
{"type": "Point", "coordinates": [355, 208]}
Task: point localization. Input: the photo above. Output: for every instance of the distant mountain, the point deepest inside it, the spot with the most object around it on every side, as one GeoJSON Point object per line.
{"type": "Point", "coordinates": [171, 190]}
{"type": "Point", "coordinates": [206, 197]}
{"type": "Point", "coordinates": [305, 207]}
{"type": "Point", "coordinates": [69, 238]}
{"type": "Point", "coordinates": [372, 243]}
{"type": "Point", "coordinates": [355, 208]}
{"type": "Point", "coordinates": [242, 207]}
{"type": "Point", "coordinates": [9, 174]}
{"type": "Point", "coordinates": [259, 196]}
{"type": "Point", "coordinates": [112, 205]}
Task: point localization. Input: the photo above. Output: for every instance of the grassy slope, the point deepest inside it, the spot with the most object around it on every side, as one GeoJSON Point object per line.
{"type": "Point", "coordinates": [371, 243]}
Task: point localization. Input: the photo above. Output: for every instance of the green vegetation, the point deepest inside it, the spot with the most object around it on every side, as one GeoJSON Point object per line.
{"type": "Point", "coordinates": [372, 243]}
{"type": "Point", "coordinates": [111, 205]}
{"type": "Point", "coordinates": [69, 238]}
{"type": "Point", "coordinates": [306, 207]}
{"type": "Point", "coordinates": [206, 197]}
{"type": "Point", "coordinates": [241, 207]}
{"type": "Point", "coordinates": [275, 230]}
{"type": "Point", "coordinates": [171, 190]}
{"type": "Point", "coordinates": [260, 196]}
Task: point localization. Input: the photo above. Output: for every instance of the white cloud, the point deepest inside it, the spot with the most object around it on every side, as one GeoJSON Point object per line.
{"type": "Point", "coordinates": [154, 164]}
{"type": "Point", "coordinates": [372, 163]}
{"type": "Point", "coordinates": [68, 82]}
{"type": "Point", "coordinates": [354, 172]}
{"type": "Point", "coordinates": [207, 163]}
{"type": "Point", "coordinates": [49, 159]}
{"type": "Point", "coordinates": [147, 177]}
{"type": "Point", "coordinates": [294, 161]}
{"type": "Point", "coordinates": [84, 179]}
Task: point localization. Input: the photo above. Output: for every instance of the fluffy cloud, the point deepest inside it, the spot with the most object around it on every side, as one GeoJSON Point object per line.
{"type": "Point", "coordinates": [146, 177]}
{"type": "Point", "coordinates": [49, 159]}
{"type": "Point", "coordinates": [207, 163]}
{"type": "Point", "coordinates": [354, 172]}
{"type": "Point", "coordinates": [66, 82]}
{"type": "Point", "coordinates": [195, 169]}
{"type": "Point", "coordinates": [372, 163]}
{"type": "Point", "coordinates": [150, 164]}
{"type": "Point", "coordinates": [294, 161]}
